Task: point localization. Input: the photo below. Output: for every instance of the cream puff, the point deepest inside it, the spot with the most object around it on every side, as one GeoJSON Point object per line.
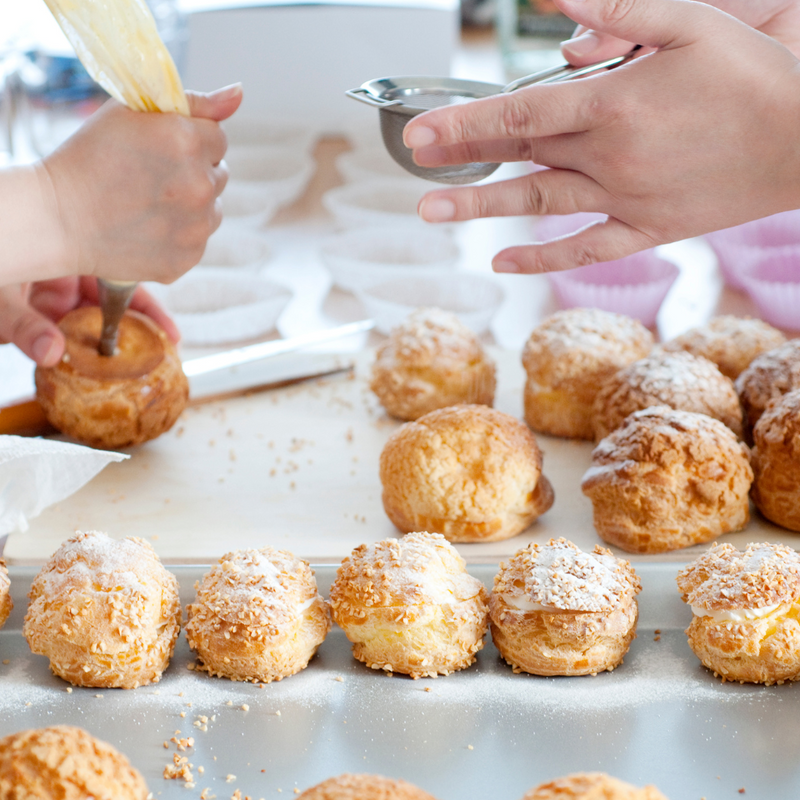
{"type": "Point", "coordinates": [257, 617]}
{"type": "Point", "coordinates": [567, 358]}
{"type": "Point", "coordinates": [364, 787]}
{"type": "Point", "coordinates": [106, 613]}
{"type": "Point", "coordinates": [408, 605]}
{"type": "Point", "coordinates": [556, 610]}
{"type": "Point", "coordinates": [678, 380]}
{"type": "Point", "coordinates": [668, 479]}
{"type": "Point", "coordinates": [67, 763]}
{"type": "Point", "coordinates": [6, 604]}
{"type": "Point", "coordinates": [769, 376]}
{"type": "Point", "coordinates": [430, 361]}
{"type": "Point", "coordinates": [729, 342]}
{"type": "Point", "coordinates": [776, 462]}
{"type": "Point", "coordinates": [113, 401]}
{"type": "Point", "coordinates": [746, 607]}
{"type": "Point", "coordinates": [591, 786]}
{"type": "Point", "coordinates": [470, 473]}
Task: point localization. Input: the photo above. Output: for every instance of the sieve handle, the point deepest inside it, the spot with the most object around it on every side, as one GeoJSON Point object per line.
{"type": "Point", "coordinates": [364, 96]}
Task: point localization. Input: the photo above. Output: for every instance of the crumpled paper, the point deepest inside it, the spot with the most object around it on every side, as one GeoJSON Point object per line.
{"type": "Point", "coordinates": [36, 473]}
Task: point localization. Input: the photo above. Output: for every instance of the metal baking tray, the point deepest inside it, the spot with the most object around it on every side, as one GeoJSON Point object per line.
{"type": "Point", "coordinates": [485, 732]}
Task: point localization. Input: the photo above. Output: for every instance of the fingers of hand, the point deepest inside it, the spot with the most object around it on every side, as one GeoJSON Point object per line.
{"type": "Point", "coordinates": [545, 192]}
{"type": "Point", "coordinates": [29, 330]}
{"type": "Point", "coordinates": [55, 298]}
{"type": "Point", "coordinates": [591, 46]}
{"type": "Point", "coordinates": [144, 302]}
{"type": "Point", "coordinates": [217, 105]}
{"type": "Point", "coordinates": [598, 242]}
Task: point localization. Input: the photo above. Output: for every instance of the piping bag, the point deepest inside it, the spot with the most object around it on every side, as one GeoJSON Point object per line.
{"type": "Point", "coordinates": [118, 43]}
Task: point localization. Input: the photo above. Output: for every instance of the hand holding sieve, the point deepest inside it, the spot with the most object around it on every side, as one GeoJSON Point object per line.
{"type": "Point", "coordinates": [400, 99]}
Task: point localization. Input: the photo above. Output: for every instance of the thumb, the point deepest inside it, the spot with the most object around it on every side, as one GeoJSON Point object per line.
{"type": "Point", "coordinates": [653, 23]}
{"type": "Point", "coordinates": [217, 105]}
{"type": "Point", "coordinates": [38, 337]}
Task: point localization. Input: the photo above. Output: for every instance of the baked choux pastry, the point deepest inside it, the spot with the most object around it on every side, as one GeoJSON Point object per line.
{"type": "Point", "coordinates": [430, 361]}
{"type": "Point", "coordinates": [105, 612]}
{"type": "Point", "coordinates": [258, 616]}
{"type": "Point", "coordinates": [65, 763]}
{"type": "Point", "coordinates": [591, 786]}
{"type": "Point", "coordinates": [729, 342]}
{"type": "Point", "coordinates": [470, 473]}
{"type": "Point", "coordinates": [746, 606]}
{"type": "Point", "coordinates": [668, 479]}
{"type": "Point", "coordinates": [113, 401]}
{"type": "Point", "coordinates": [364, 787]}
{"type": "Point", "coordinates": [6, 604]}
{"type": "Point", "coordinates": [776, 462]}
{"type": "Point", "coordinates": [556, 610]}
{"type": "Point", "coordinates": [408, 605]}
{"type": "Point", "coordinates": [769, 376]}
{"type": "Point", "coordinates": [567, 358]}
{"type": "Point", "coordinates": [678, 380]}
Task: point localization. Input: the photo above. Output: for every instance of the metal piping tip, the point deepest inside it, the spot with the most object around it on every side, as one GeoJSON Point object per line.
{"type": "Point", "coordinates": [115, 296]}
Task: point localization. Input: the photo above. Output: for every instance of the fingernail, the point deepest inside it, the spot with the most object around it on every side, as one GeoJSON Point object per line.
{"type": "Point", "coordinates": [41, 349]}
{"type": "Point", "coordinates": [226, 92]}
{"type": "Point", "coordinates": [437, 209]}
{"type": "Point", "coordinates": [419, 137]}
{"type": "Point", "coordinates": [505, 266]}
{"type": "Point", "coordinates": [582, 45]}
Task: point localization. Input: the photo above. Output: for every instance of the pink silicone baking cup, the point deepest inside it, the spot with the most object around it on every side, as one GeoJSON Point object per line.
{"type": "Point", "coordinates": [635, 286]}
{"type": "Point", "coordinates": [773, 282]}
{"type": "Point", "coordinates": [740, 247]}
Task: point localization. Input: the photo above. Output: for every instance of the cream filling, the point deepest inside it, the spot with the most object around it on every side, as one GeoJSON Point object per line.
{"type": "Point", "coordinates": [523, 604]}
{"type": "Point", "coordinates": [736, 614]}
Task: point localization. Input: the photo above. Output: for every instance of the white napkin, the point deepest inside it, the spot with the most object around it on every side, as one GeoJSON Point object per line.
{"type": "Point", "coordinates": [35, 473]}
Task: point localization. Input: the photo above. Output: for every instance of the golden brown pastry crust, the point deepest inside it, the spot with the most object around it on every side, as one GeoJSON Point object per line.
{"type": "Point", "coordinates": [106, 613]}
{"type": "Point", "coordinates": [591, 786]}
{"type": "Point", "coordinates": [364, 787]}
{"type": "Point", "coordinates": [730, 342]}
{"type": "Point", "coordinates": [567, 358]}
{"type": "Point", "coordinates": [470, 473]}
{"type": "Point", "coordinates": [776, 462]}
{"type": "Point", "coordinates": [431, 361]}
{"type": "Point", "coordinates": [67, 763]}
{"type": "Point", "coordinates": [589, 613]}
{"type": "Point", "coordinates": [408, 605]}
{"type": "Point", "coordinates": [257, 617]}
{"type": "Point", "coordinates": [668, 479]}
{"type": "Point", "coordinates": [765, 576]}
{"type": "Point", "coordinates": [6, 604]}
{"type": "Point", "coordinates": [769, 376]}
{"type": "Point", "coordinates": [678, 380]}
{"type": "Point", "coordinates": [117, 401]}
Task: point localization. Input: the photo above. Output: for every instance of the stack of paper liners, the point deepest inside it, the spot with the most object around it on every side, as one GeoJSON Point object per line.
{"type": "Point", "coordinates": [119, 45]}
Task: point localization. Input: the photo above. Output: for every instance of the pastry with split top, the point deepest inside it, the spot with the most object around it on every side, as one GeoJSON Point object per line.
{"type": "Point", "coordinates": [431, 361]}
{"type": "Point", "coordinates": [678, 380]}
{"type": "Point", "coordinates": [567, 358]}
{"type": "Point", "coordinates": [6, 604]}
{"type": "Point", "coordinates": [113, 401]}
{"type": "Point", "coordinates": [746, 607]}
{"type": "Point", "coordinates": [668, 479]}
{"type": "Point", "coordinates": [364, 787]}
{"type": "Point", "coordinates": [105, 612]}
{"type": "Point", "coordinates": [257, 617]}
{"type": "Point", "coordinates": [470, 473]}
{"type": "Point", "coordinates": [65, 763]}
{"type": "Point", "coordinates": [591, 786]}
{"type": "Point", "coordinates": [556, 610]}
{"type": "Point", "coordinates": [408, 605]}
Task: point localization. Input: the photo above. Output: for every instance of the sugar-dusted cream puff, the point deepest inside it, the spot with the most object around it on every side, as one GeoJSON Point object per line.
{"type": "Point", "coordinates": [6, 604]}
{"type": "Point", "coordinates": [567, 358]}
{"type": "Point", "coordinates": [364, 787]}
{"type": "Point", "coordinates": [678, 380]}
{"type": "Point", "coordinates": [668, 479]}
{"type": "Point", "coordinates": [470, 473]}
{"type": "Point", "coordinates": [257, 617]}
{"type": "Point", "coordinates": [556, 610]}
{"type": "Point", "coordinates": [105, 612]}
{"type": "Point", "coordinates": [67, 763]}
{"type": "Point", "coordinates": [591, 786]}
{"type": "Point", "coordinates": [430, 361]}
{"type": "Point", "coordinates": [408, 605]}
{"type": "Point", "coordinates": [746, 607]}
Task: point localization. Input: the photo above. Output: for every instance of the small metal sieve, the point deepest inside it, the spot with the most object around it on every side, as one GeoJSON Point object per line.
{"type": "Point", "coordinates": [400, 99]}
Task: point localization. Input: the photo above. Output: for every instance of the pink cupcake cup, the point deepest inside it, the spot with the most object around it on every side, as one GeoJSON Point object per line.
{"type": "Point", "coordinates": [772, 279]}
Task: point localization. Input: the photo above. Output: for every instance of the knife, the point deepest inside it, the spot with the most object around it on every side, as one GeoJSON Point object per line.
{"type": "Point", "coordinates": [252, 368]}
